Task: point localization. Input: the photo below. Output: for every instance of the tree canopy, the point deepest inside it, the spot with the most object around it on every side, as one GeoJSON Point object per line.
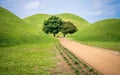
{"type": "Point", "coordinates": [68, 28]}
{"type": "Point", "coordinates": [53, 25]}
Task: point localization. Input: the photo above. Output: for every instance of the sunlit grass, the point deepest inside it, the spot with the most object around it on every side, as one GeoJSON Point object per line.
{"type": "Point", "coordinates": [32, 59]}
{"type": "Point", "coordinates": [106, 45]}
{"type": "Point", "coordinates": [104, 33]}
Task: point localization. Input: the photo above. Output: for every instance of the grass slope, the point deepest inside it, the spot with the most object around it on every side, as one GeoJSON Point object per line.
{"type": "Point", "coordinates": [104, 33]}
{"type": "Point", "coordinates": [13, 30]}
{"type": "Point", "coordinates": [26, 51]}
{"type": "Point", "coordinates": [105, 30]}
{"type": "Point", "coordinates": [29, 59]}
{"type": "Point", "coordinates": [38, 20]}
{"type": "Point", "coordinates": [78, 21]}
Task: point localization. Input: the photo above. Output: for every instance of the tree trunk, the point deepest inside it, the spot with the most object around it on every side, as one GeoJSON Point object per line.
{"type": "Point", "coordinates": [54, 34]}
{"type": "Point", "coordinates": [64, 35]}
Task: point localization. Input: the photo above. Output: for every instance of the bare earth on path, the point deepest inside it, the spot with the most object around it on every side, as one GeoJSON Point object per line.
{"type": "Point", "coordinates": [106, 62]}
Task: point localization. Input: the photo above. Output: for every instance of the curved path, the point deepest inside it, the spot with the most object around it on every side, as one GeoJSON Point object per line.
{"type": "Point", "coordinates": [107, 62]}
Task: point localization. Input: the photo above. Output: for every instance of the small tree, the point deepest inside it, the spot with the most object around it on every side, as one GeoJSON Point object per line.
{"type": "Point", "coordinates": [68, 28]}
{"type": "Point", "coordinates": [53, 25]}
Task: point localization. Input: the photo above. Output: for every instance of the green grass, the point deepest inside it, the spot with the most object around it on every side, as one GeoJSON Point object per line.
{"type": "Point", "coordinates": [106, 45]}
{"type": "Point", "coordinates": [23, 49]}
{"type": "Point", "coordinates": [104, 33]}
{"type": "Point", "coordinates": [14, 30]}
{"type": "Point", "coordinates": [105, 30]}
{"type": "Point", "coordinates": [35, 59]}
{"type": "Point", "coordinates": [26, 50]}
{"type": "Point", "coordinates": [79, 22]}
{"type": "Point", "coordinates": [76, 20]}
{"type": "Point", "coordinates": [37, 20]}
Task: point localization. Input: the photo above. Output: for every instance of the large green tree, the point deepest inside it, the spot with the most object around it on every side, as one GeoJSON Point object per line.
{"type": "Point", "coordinates": [68, 28]}
{"type": "Point", "coordinates": [53, 25]}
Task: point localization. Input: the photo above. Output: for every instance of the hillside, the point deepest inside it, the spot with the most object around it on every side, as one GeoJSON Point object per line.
{"type": "Point", "coordinates": [104, 33]}
{"type": "Point", "coordinates": [78, 21]}
{"type": "Point", "coordinates": [13, 30]}
{"type": "Point", "coordinates": [22, 49]}
{"type": "Point", "coordinates": [38, 20]}
{"type": "Point", "coordinates": [104, 30]}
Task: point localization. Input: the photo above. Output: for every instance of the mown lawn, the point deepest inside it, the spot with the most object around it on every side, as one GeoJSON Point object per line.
{"type": "Point", "coordinates": [107, 45]}
{"type": "Point", "coordinates": [32, 59]}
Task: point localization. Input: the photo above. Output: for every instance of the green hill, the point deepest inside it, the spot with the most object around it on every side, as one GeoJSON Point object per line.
{"type": "Point", "coordinates": [38, 20]}
{"type": "Point", "coordinates": [22, 49]}
{"type": "Point", "coordinates": [13, 30]}
{"type": "Point", "coordinates": [78, 21]}
{"type": "Point", "coordinates": [104, 33]}
{"type": "Point", "coordinates": [105, 30]}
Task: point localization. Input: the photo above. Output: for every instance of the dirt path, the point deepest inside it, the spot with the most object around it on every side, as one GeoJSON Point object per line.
{"type": "Point", "coordinates": [108, 63]}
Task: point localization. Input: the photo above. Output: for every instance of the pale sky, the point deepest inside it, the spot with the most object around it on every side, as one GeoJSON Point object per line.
{"type": "Point", "coordinates": [91, 10]}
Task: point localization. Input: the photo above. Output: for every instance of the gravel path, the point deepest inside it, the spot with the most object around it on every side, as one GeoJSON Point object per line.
{"type": "Point", "coordinates": [105, 61]}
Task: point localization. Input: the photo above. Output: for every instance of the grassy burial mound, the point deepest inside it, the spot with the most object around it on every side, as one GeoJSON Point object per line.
{"type": "Point", "coordinates": [79, 22]}
{"type": "Point", "coordinates": [29, 52]}
{"type": "Point", "coordinates": [105, 32]}
{"type": "Point", "coordinates": [76, 20]}
{"type": "Point", "coordinates": [13, 30]}
{"type": "Point", "coordinates": [38, 20]}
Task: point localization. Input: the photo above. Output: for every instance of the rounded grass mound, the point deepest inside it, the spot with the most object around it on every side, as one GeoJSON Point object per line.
{"type": "Point", "coordinates": [36, 21]}
{"type": "Point", "coordinates": [104, 30]}
{"type": "Point", "coordinates": [14, 30]}
{"type": "Point", "coordinates": [79, 22]}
